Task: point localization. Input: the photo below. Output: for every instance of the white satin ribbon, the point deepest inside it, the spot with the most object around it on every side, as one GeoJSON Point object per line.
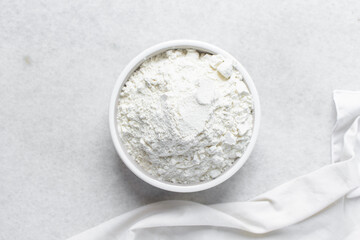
{"type": "Point", "coordinates": [309, 207]}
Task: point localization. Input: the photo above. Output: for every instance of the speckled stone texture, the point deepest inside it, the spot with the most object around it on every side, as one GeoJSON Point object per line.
{"type": "Point", "coordinates": [59, 60]}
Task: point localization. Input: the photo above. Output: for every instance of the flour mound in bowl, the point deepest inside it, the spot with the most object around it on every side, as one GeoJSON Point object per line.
{"type": "Point", "coordinates": [185, 117]}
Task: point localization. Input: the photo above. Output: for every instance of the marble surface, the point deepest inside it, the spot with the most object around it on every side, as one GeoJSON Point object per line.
{"type": "Point", "coordinates": [59, 60]}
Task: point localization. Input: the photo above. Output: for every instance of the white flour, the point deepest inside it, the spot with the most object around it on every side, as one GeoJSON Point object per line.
{"type": "Point", "coordinates": [185, 117]}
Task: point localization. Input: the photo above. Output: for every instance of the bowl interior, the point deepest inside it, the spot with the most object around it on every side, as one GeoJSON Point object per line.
{"type": "Point", "coordinates": [119, 145]}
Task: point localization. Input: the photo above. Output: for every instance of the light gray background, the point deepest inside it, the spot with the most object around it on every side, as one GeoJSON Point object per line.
{"type": "Point", "coordinates": [59, 60]}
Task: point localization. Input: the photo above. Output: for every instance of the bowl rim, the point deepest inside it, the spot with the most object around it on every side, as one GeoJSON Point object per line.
{"type": "Point", "coordinates": [115, 135]}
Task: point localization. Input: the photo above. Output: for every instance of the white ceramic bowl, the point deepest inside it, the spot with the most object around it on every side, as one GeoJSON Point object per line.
{"type": "Point", "coordinates": [121, 149]}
